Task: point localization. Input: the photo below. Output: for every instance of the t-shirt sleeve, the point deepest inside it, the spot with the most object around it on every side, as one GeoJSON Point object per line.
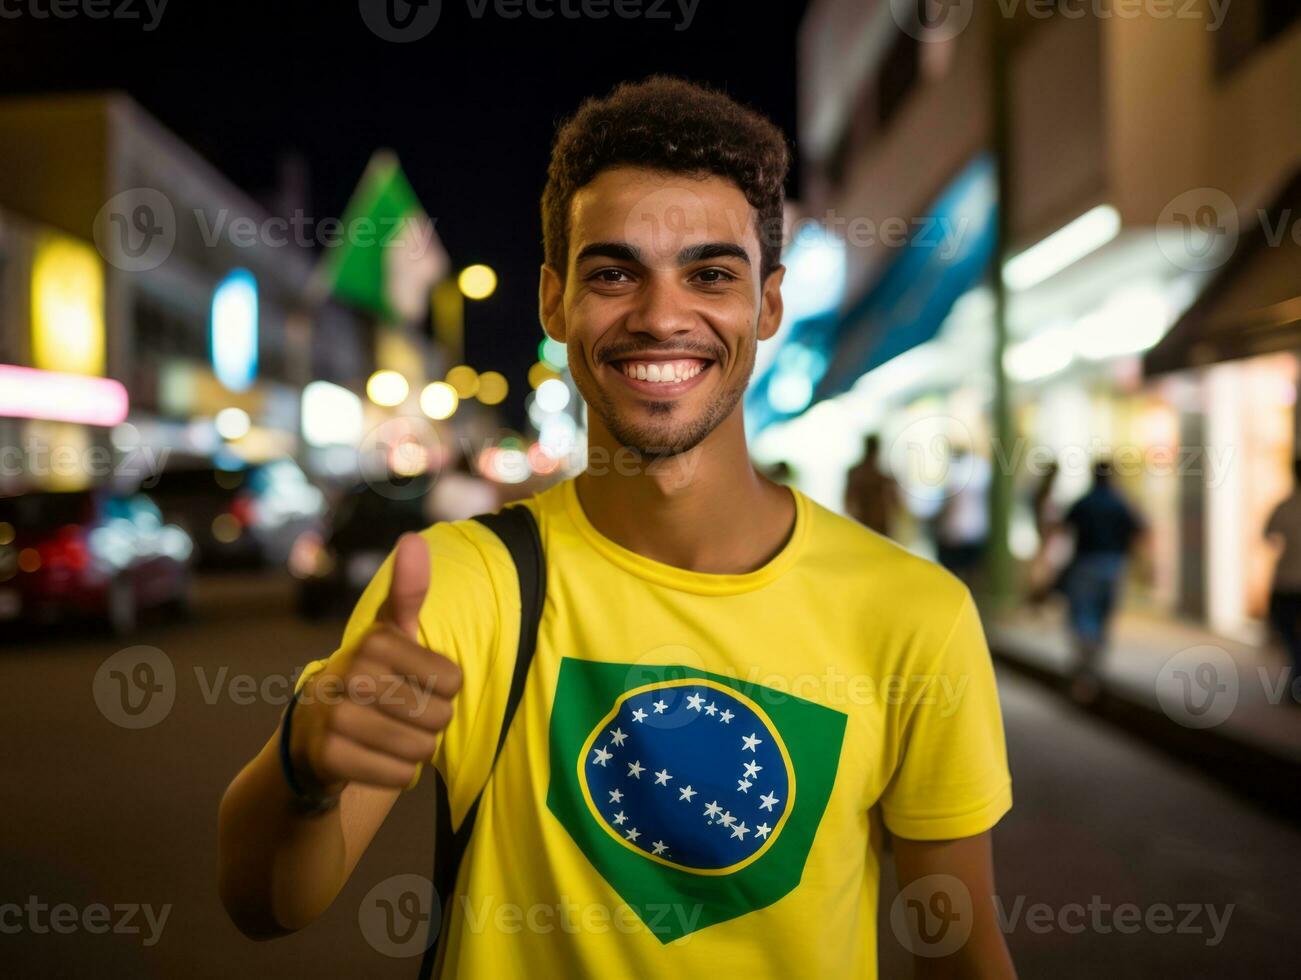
{"type": "Point", "coordinates": [952, 778]}
{"type": "Point", "coordinates": [470, 610]}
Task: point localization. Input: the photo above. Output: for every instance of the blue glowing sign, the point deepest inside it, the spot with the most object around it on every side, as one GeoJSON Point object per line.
{"type": "Point", "coordinates": [234, 330]}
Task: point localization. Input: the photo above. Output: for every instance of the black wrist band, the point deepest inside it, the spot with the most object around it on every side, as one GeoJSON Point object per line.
{"type": "Point", "coordinates": [305, 801]}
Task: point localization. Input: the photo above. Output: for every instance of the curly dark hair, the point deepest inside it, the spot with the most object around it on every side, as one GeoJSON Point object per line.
{"type": "Point", "coordinates": [671, 125]}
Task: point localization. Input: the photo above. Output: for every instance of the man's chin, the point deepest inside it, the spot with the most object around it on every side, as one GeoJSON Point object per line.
{"type": "Point", "coordinates": [655, 442]}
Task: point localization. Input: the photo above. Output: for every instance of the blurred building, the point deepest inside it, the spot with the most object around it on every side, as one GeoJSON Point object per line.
{"type": "Point", "coordinates": [131, 266]}
{"type": "Point", "coordinates": [1152, 167]}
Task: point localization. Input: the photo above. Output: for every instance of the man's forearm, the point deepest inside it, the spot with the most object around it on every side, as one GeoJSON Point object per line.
{"type": "Point", "coordinates": [277, 869]}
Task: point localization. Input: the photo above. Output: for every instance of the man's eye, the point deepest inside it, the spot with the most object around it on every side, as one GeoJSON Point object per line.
{"type": "Point", "coordinates": [712, 276]}
{"type": "Point", "coordinates": [610, 275]}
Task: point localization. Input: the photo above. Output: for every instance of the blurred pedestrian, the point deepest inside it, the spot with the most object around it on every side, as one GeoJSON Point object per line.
{"type": "Point", "coordinates": [962, 525]}
{"type": "Point", "coordinates": [871, 496]}
{"type": "Point", "coordinates": [1106, 529]}
{"type": "Point", "coordinates": [1053, 551]}
{"type": "Point", "coordinates": [1284, 530]}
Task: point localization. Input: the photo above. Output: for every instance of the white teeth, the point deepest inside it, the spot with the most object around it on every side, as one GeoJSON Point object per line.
{"type": "Point", "coordinates": [668, 372]}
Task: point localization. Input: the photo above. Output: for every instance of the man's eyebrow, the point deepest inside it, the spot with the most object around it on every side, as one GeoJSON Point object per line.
{"type": "Point", "coordinates": [712, 250]}
{"type": "Point", "coordinates": [610, 250]}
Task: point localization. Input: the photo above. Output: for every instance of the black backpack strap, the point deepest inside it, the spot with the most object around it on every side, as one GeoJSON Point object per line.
{"type": "Point", "coordinates": [518, 531]}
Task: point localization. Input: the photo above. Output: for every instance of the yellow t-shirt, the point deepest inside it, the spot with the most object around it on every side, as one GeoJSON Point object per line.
{"type": "Point", "coordinates": [697, 777]}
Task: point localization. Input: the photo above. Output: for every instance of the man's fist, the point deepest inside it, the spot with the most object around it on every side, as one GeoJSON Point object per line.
{"type": "Point", "coordinates": [375, 712]}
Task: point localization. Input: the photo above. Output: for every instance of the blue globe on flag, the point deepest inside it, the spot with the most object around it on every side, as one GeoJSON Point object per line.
{"type": "Point", "coordinates": [689, 773]}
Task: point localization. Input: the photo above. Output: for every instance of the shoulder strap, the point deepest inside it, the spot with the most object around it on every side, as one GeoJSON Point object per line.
{"type": "Point", "coordinates": [518, 531]}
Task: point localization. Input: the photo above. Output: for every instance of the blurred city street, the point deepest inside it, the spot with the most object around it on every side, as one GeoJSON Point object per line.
{"type": "Point", "coordinates": [125, 817]}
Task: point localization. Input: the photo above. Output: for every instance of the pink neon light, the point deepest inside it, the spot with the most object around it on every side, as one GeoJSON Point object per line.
{"type": "Point", "coordinates": [27, 393]}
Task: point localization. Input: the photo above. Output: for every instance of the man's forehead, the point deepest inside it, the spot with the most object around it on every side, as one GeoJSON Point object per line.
{"type": "Point", "coordinates": [662, 212]}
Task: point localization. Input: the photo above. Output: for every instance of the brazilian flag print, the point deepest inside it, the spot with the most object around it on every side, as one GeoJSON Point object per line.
{"type": "Point", "coordinates": [689, 790]}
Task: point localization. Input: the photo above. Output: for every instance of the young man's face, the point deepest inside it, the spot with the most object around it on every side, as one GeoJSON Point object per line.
{"type": "Point", "coordinates": [662, 304]}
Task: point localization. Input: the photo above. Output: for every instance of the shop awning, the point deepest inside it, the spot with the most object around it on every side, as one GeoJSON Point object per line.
{"type": "Point", "coordinates": [1252, 304]}
{"type": "Point", "coordinates": [947, 254]}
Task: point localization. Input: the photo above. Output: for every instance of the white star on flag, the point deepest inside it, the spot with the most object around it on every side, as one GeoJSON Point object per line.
{"type": "Point", "coordinates": [768, 800]}
{"type": "Point", "coordinates": [752, 769]}
{"type": "Point", "coordinates": [662, 778]}
{"type": "Point", "coordinates": [740, 830]}
{"type": "Point", "coordinates": [660, 847]}
{"type": "Point", "coordinates": [632, 834]}
{"type": "Point", "coordinates": [615, 796]}
{"type": "Point", "coordinates": [710, 709]}
{"type": "Point", "coordinates": [712, 810]}
{"type": "Point", "coordinates": [620, 817]}
{"type": "Point", "coordinates": [686, 793]}
{"type": "Point", "coordinates": [694, 701]}
{"type": "Point", "coordinates": [635, 769]}
{"type": "Point", "coordinates": [659, 706]}
{"type": "Point", "coordinates": [743, 785]}
{"type": "Point", "coordinates": [763, 830]}
{"type": "Point", "coordinates": [638, 714]}
{"type": "Point", "coordinates": [617, 736]}
{"type": "Point", "coordinates": [749, 742]}
{"type": "Point", "coordinates": [602, 756]}
{"type": "Point", "coordinates": [726, 717]}
{"type": "Point", "coordinates": [727, 819]}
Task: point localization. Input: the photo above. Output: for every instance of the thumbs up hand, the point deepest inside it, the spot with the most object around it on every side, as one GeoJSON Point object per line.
{"type": "Point", "coordinates": [374, 713]}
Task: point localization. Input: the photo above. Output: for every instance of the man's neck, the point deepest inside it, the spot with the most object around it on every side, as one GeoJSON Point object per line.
{"type": "Point", "coordinates": [705, 510]}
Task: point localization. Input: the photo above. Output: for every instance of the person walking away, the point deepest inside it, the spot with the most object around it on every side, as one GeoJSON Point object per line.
{"type": "Point", "coordinates": [1106, 528]}
{"type": "Point", "coordinates": [962, 525]}
{"type": "Point", "coordinates": [872, 497]}
{"type": "Point", "coordinates": [1284, 531]}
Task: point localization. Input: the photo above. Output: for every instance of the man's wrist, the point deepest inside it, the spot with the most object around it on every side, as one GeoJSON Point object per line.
{"type": "Point", "coordinates": [309, 795]}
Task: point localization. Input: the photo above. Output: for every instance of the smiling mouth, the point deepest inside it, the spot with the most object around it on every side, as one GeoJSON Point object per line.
{"type": "Point", "coordinates": [665, 372]}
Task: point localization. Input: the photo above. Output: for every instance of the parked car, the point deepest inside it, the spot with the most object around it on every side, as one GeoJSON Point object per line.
{"type": "Point", "coordinates": [91, 552]}
{"type": "Point", "coordinates": [361, 530]}
{"type": "Point", "coordinates": [248, 515]}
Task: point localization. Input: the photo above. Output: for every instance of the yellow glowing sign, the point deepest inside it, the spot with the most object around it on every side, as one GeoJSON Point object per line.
{"type": "Point", "coordinates": [67, 307]}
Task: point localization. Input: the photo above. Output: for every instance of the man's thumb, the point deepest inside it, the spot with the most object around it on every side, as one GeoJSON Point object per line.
{"type": "Point", "coordinates": [406, 592]}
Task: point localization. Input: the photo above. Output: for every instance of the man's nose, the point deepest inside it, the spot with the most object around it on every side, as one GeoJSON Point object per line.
{"type": "Point", "coordinates": [664, 309]}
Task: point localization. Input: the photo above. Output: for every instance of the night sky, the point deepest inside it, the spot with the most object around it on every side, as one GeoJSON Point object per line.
{"type": "Point", "coordinates": [470, 108]}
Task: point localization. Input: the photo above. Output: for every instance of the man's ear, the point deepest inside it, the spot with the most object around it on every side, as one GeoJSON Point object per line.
{"type": "Point", "coordinates": [770, 312]}
{"type": "Point", "coordinates": [551, 306]}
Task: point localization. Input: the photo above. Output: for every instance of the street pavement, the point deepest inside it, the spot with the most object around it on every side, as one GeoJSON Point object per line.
{"type": "Point", "coordinates": [110, 831]}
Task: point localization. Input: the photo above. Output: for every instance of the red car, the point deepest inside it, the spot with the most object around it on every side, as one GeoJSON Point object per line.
{"type": "Point", "coordinates": [89, 552]}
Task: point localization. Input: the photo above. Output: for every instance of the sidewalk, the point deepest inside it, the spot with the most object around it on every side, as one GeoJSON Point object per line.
{"type": "Point", "coordinates": [1220, 704]}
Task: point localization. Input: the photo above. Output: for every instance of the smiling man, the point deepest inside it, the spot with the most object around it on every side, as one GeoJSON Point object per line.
{"type": "Point", "coordinates": [736, 696]}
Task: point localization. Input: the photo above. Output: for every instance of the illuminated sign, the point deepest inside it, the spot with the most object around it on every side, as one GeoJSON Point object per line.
{"type": "Point", "coordinates": [234, 330]}
{"type": "Point", "coordinates": [67, 307]}
{"type": "Point", "coordinates": [27, 393]}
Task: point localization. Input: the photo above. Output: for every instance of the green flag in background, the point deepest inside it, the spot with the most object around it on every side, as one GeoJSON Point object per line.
{"type": "Point", "coordinates": [689, 790]}
{"type": "Point", "coordinates": [388, 256]}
